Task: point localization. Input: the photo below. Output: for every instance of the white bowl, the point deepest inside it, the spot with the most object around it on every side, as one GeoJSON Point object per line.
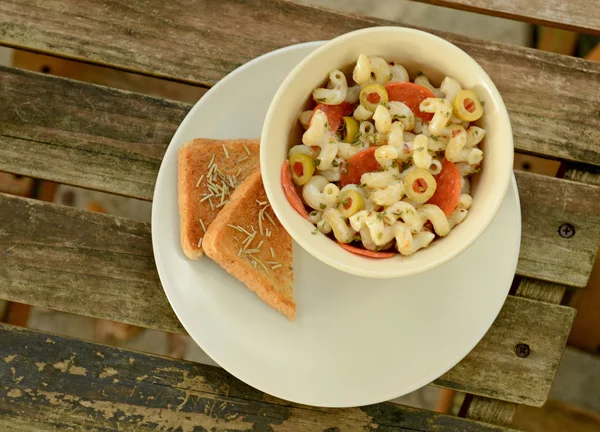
{"type": "Point", "coordinates": [416, 51]}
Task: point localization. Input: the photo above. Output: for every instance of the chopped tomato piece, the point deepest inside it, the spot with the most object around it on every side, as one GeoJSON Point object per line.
{"type": "Point", "coordinates": [334, 113]}
{"type": "Point", "coordinates": [366, 252]}
{"type": "Point", "coordinates": [447, 193]}
{"type": "Point", "coordinates": [290, 190]}
{"type": "Point", "coordinates": [362, 162]}
{"type": "Point", "coordinates": [411, 95]}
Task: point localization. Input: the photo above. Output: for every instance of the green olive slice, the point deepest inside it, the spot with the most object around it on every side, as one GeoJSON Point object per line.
{"type": "Point", "coordinates": [467, 106]}
{"type": "Point", "coordinates": [372, 95]}
{"type": "Point", "coordinates": [351, 202]}
{"type": "Point", "coordinates": [419, 185]}
{"type": "Point", "coordinates": [350, 129]}
{"type": "Point", "coordinates": [302, 167]}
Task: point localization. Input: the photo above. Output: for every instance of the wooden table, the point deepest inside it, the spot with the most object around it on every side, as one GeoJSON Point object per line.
{"type": "Point", "coordinates": [102, 266]}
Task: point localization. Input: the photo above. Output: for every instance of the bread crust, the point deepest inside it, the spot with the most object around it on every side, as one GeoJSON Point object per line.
{"type": "Point", "coordinates": [273, 286]}
{"type": "Point", "coordinates": [193, 162]}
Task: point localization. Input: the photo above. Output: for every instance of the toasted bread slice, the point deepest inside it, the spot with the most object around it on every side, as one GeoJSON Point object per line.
{"type": "Point", "coordinates": [193, 183]}
{"type": "Point", "coordinates": [257, 253]}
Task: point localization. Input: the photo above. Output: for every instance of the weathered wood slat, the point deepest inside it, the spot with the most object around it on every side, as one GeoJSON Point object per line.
{"type": "Point", "coordinates": [542, 291]}
{"type": "Point", "coordinates": [86, 135]}
{"type": "Point", "coordinates": [489, 410]}
{"type": "Point", "coordinates": [575, 15]}
{"type": "Point", "coordinates": [102, 266]}
{"type": "Point", "coordinates": [200, 42]}
{"type": "Point", "coordinates": [51, 383]}
{"type": "Point", "coordinates": [496, 368]}
{"type": "Point", "coordinates": [547, 204]}
{"type": "Point", "coordinates": [120, 138]}
{"type": "Point", "coordinates": [81, 262]}
{"type": "Point", "coordinates": [584, 174]}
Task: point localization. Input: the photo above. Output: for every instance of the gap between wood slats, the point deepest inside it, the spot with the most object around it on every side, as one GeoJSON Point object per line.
{"type": "Point", "coordinates": [574, 15]}
{"type": "Point", "coordinates": [206, 40]}
{"type": "Point", "coordinates": [102, 266]}
{"type": "Point", "coordinates": [50, 382]}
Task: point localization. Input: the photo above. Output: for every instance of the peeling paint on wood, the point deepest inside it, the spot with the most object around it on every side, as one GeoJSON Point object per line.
{"type": "Point", "coordinates": [95, 249]}
{"type": "Point", "coordinates": [173, 395]}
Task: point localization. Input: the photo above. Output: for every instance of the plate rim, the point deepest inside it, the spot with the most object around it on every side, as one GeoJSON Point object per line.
{"type": "Point", "coordinates": [249, 380]}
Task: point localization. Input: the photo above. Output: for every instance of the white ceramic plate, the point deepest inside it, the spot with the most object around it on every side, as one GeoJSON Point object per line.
{"type": "Point", "coordinates": [355, 341]}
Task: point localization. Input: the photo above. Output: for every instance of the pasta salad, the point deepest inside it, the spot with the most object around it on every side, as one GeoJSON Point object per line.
{"type": "Point", "coordinates": [384, 162]}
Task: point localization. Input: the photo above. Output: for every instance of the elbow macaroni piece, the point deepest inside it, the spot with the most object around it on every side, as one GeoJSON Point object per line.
{"type": "Point", "coordinates": [380, 234]}
{"type": "Point", "coordinates": [474, 136]}
{"type": "Point", "coordinates": [362, 71]}
{"type": "Point", "coordinates": [361, 113]}
{"type": "Point", "coordinates": [382, 118]}
{"type": "Point", "coordinates": [324, 226]}
{"type": "Point", "coordinates": [342, 232]}
{"type": "Point", "coordinates": [421, 157]}
{"type": "Point", "coordinates": [465, 201]}
{"type": "Point", "coordinates": [423, 81]}
{"type": "Point", "coordinates": [346, 151]}
{"type": "Point", "coordinates": [380, 180]}
{"type": "Point", "coordinates": [457, 141]}
{"type": "Point", "coordinates": [457, 216]}
{"type": "Point", "coordinates": [434, 214]}
{"type": "Point", "coordinates": [332, 174]}
{"type": "Point", "coordinates": [408, 244]}
{"type": "Point", "coordinates": [399, 73]}
{"type": "Point", "coordinates": [304, 118]}
{"type": "Point", "coordinates": [319, 194]}
{"type": "Point", "coordinates": [381, 70]}
{"type": "Point", "coordinates": [407, 213]}
{"type": "Point", "coordinates": [464, 169]}
{"type": "Point", "coordinates": [389, 195]}
{"type": "Point", "coordinates": [442, 110]}
{"type": "Point", "coordinates": [335, 95]}
{"type": "Point", "coordinates": [395, 137]}
{"type": "Point", "coordinates": [402, 113]}
{"type": "Point", "coordinates": [450, 88]}
{"type": "Point", "coordinates": [353, 94]}
{"type": "Point", "coordinates": [328, 154]}
{"type": "Point", "coordinates": [318, 132]}
{"type": "Point", "coordinates": [302, 149]}
{"type": "Point", "coordinates": [386, 155]}
{"type": "Point", "coordinates": [435, 168]}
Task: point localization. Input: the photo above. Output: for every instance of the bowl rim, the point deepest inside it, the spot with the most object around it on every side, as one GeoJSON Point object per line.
{"type": "Point", "coordinates": [501, 184]}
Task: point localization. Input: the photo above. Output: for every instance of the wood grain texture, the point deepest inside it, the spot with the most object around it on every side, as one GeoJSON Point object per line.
{"type": "Point", "coordinates": [576, 15]}
{"type": "Point", "coordinates": [496, 368]}
{"type": "Point", "coordinates": [542, 291]}
{"type": "Point", "coordinates": [490, 410]}
{"type": "Point", "coordinates": [201, 41]}
{"type": "Point", "coordinates": [50, 383]}
{"type": "Point", "coordinates": [85, 135]}
{"type": "Point", "coordinates": [81, 262]}
{"type": "Point", "coordinates": [102, 266]}
{"type": "Point", "coordinates": [546, 204]}
{"type": "Point", "coordinates": [583, 174]}
{"type": "Point", "coordinates": [120, 138]}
